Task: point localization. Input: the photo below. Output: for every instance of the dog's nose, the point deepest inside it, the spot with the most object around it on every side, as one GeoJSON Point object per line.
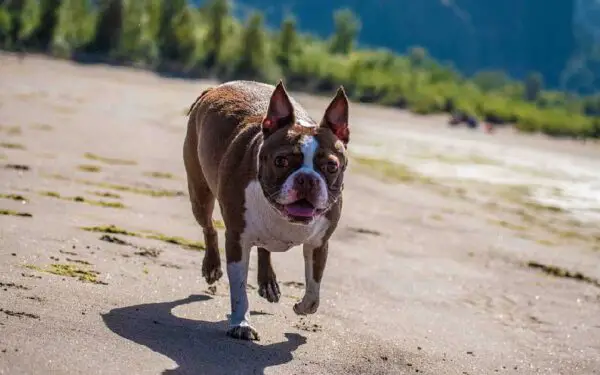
{"type": "Point", "coordinates": [306, 181]}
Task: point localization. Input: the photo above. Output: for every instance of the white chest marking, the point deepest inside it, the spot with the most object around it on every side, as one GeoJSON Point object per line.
{"type": "Point", "coordinates": [265, 227]}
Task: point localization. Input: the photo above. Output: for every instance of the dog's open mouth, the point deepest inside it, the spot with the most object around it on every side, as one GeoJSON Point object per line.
{"type": "Point", "coordinates": [300, 210]}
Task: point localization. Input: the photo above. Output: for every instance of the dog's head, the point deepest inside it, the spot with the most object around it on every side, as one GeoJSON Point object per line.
{"type": "Point", "coordinates": [302, 163]}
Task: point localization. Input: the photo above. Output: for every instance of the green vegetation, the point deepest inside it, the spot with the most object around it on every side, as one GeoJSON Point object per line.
{"type": "Point", "coordinates": [14, 197]}
{"type": "Point", "coordinates": [388, 171]}
{"type": "Point", "coordinates": [133, 189]}
{"type": "Point", "coordinates": [103, 159]}
{"type": "Point", "coordinates": [14, 146]}
{"type": "Point", "coordinates": [176, 37]}
{"type": "Point", "coordinates": [70, 270]}
{"type": "Point", "coordinates": [14, 213]}
{"type": "Point", "coordinates": [111, 229]}
{"type": "Point", "coordinates": [163, 175]}
{"type": "Point", "coordinates": [563, 273]}
{"type": "Point", "coordinates": [80, 199]}
{"type": "Point", "coordinates": [89, 168]}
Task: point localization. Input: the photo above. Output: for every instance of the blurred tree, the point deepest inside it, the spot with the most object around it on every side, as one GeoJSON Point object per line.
{"type": "Point", "coordinates": [15, 8]}
{"type": "Point", "coordinates": [29, 21]}
{"type": "Point", "coordinates": [171, 14]}
{"type": "Point", "coordinates": [534, 84]}
{"type": "Point", "coordinates": [417, 56]}
{"type": "Point", "coordinates": [48, 20]}
{"type": "Point", "coordinates": [252, 61]}
{"type": "Point", "coordinates": [138, 39]}
{"type": "Point", "coordinates": [491, 80]}
{"type": "Point", "coordinates": [347, 27]}
{"type": "Point", "coordinates": [217, 12]}
{"type": "Point", "coordinates": [74, 28]}
{"type": "Point", "coordinates": [109, 25]}
{"type": "Point", "coordinates": [287, 41]}
{"type": "Point", "coordinates": [5, 27]}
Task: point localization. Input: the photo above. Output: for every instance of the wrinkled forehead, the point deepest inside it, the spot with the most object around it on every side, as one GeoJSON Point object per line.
{"type": "Point", "coordinates": [301, 137]}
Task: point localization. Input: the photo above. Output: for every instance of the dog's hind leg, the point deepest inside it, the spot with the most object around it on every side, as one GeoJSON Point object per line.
{"type": "Point", "coordinates": [203, 204]}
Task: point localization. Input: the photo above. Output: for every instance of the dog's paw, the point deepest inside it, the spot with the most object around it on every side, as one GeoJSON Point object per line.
{"type": "Point", "coordinates": [269, 290]}
{"type": "Point", "coordinates": [212, 276]}
{"type": "Point", "coordinates": [211, 271]}
{"type": "Point", "coordinates": [306, 307]}
{"type": "Point", "coordinates": [245, 332]}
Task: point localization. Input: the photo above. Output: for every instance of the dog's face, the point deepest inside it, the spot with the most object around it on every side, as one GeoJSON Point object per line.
{"type": "Point", "coordinates": [301, 164]}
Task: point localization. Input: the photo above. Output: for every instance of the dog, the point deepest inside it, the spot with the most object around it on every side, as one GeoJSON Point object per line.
{"type": "Point", "coordinates": [278, 177]}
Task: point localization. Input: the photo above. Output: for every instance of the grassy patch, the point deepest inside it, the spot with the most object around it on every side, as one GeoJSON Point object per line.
{"type": "Point", "coordinates": [11, 130]}
{"type": "Point", "coordinates": [14, 213]}
{"type": "Point", "coordinates": [134, 189]}
{"type": "Point", "coordinates": [14, 197]}
{"type": "Point", "coordinates": [106, 160]}
{"type": "Point", "coordinates": [44, 127]}
{"type": "Point", "coordinates": [542, 207]}
{"type": "Point", "coordinates": [70, 270]}
{"type": "Point", "coordinates": [14, 146]}
{"type": "Point", "coordinates": [545, 242]}
{"type": "Point", "coordinates": [506, 224]}
{"type": "Point", "coordinates": [561, 272]}
{"type": "Point", "coordinates": [89, 168]}
{"type": "Point", "coordinates": [112, 229]}
{"type": "Point", "coordinates": [457, 159]}
{"type": "Point", "coordinates": [143, 251]}
{"type": "Point", "coordinates": [371, 232]}
{"type": "Point", "coordinates": [163, 175]}
{"type": "Point", "coordinates": [17, 167]}
{"type": "Point", "coordinates": [80, 199]}
{"type": "Point", "coordinates": [125, 188]}
{"type": "Point", "coordinates": [219, 224]}
{"type": "Point", "coordinates": [389, 171]}
{"type": "Point", "coordinates": [105, 194]}
{"type": "Point", "coordinates": [56, 176]}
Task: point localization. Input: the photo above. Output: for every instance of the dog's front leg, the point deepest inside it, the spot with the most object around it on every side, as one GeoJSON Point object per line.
{"type": "Point", "coordinates": [314, 265]}
{"type": "Point", "coordinates": [238, 255]}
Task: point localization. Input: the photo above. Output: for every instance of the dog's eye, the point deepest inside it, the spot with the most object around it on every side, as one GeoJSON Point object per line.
{"type": "Point", "coordinates": [281, 162]}
{"type": "Point", "coordinates": [332, 167]}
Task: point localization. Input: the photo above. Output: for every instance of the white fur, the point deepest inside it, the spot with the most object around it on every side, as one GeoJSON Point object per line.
{"type": "Point", "coordinates": [309, 146]}
{"type": "Point", "coordinates": [266, 227]}
{"type": "Point", "coordinates": [310, 300]}
{"type": "Point", "coordinates": [237, 273]}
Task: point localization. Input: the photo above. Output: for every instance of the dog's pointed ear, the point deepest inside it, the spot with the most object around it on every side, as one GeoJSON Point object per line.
{"type": "Point", "coordinates": [336, 116]}
{"type": "Point", "coordinates": [280, 112]}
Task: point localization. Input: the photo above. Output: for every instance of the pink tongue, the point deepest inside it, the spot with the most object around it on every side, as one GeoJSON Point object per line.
{"type": "Point", "coordinates": [299, 210]}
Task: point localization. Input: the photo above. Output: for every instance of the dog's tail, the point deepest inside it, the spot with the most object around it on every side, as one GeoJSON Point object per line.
{"type": "Point", "coordinates": [198, 100]}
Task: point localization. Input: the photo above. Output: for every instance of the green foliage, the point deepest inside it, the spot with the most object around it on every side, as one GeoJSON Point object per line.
{"type": "Point", "coordinates": [74, 28]}
{"type": "Point", "coordinates": [254, 62]}
{"type": "Point", "coordinates": [347, 27]}
{"type": "Point", "coordinates": [491, 80]}
{"type": "Point", "coordinates": [138, 42]}
{"type": "Point", "coordinates": [287, 42]}
{"type": "Point", "coordinates": [533, 86]}
{"type": "Point", "coordinates": [177, 39]}
{"type": "Point", "coordinates": [176, 36]}
{"type": "Point", "coordinates": [29, 19]}
{"type": "Point", "coordinates": [5, 27]}
{"type": "Point", "coordinates": [48, 20]}
{"type": "Point", "coordinates": [217, 14]}
{"type": "Point", "coordinates": [108, 27]}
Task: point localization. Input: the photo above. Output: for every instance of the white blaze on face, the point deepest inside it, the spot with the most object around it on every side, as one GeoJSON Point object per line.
{"type": "Point", "coordinates": [308, 146]}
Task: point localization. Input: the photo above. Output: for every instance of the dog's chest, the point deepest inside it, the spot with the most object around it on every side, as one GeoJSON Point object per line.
{"type": "Point", "coordinates": [267, 228]}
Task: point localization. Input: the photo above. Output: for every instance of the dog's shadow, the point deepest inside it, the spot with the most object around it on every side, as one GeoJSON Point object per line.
{"type": "Point", "coordinates": [198, 347]}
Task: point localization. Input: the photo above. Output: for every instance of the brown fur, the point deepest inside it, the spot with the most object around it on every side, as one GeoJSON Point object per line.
{"type": "Point", "coordinates": [221, 156]}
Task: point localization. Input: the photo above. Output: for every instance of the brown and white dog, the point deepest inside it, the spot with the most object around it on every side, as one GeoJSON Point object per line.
{"type": "Point", "coordinates": [278, 177]}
